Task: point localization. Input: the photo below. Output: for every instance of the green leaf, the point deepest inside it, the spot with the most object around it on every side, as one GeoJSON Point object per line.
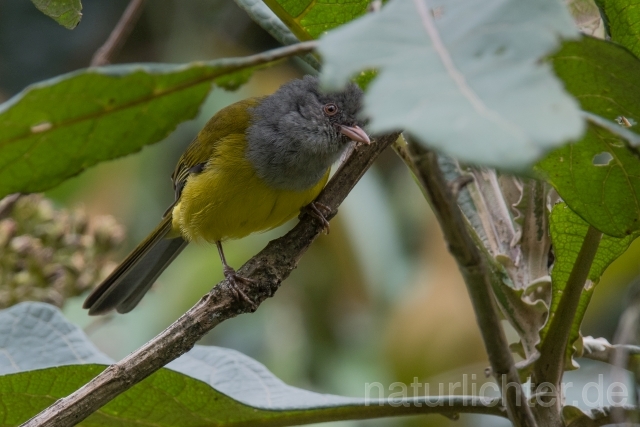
{"type": "Point", "coordinates": [602, 76]}
{"type": "Point", "coordinates": [167, 398]}
{"type": "Point", "coordinates": [469, 85]}
{"type": "Point", "coordinates": [599, 178]}
{"type": "Point", "coordinates": [206, 386]}
{"type": "Point", "coordinates": [308, 19]}
{"type": "Point", "coordinates": [55, 129]}
{"type": "Point", "coordinates": [622, 19]}
{"type": "Point", "coordinates": [65, 12]}
{"type": "Point", "coordinates": [567, 234]}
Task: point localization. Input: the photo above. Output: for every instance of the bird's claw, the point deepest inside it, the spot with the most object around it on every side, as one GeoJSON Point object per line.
{"type": "Point", "coordinates": [315, 210]}
{"type": "Point", "coordinates": [233, 278]}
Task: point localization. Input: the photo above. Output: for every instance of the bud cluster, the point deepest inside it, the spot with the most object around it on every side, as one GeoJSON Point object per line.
{"type": "Point", "coordinates": [49, 254]}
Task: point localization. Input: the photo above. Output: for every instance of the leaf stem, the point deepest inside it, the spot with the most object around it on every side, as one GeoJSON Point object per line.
{"type": "Point", "coordinates": [477, 276]}
{"type": "Point", "coordinates": [550, 366]}
{"type": "Point", "coordinates": [450, 406]}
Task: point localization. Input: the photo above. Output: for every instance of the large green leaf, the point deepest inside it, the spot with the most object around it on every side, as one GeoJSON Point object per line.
{"type": "Point", "coordinates": [55, 129]}
{"type": "Point", "coordinates": [206, 386]}
{"type": "Point", "coordinates": [622, 19]}
{"type": "Point", "coordinates": [602, 76]}
{"type": "Point", "coordinates": [599, 178]}
{"type": "Point", "coordinates": [65, 12]}
{"type": "Point", "coordinates": [567, 234]}
{"type": "Point", "coordinates": [468, 84]}
{"type": "Point", "coordinates": [308, 19]}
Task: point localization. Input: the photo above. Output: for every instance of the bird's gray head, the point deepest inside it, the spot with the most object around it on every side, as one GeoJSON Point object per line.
{"type": "Point", "coordinates": [297, 133]}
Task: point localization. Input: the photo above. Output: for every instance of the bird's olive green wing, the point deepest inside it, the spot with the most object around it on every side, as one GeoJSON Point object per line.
{"type": "Point", "coordinates": [233, 119]}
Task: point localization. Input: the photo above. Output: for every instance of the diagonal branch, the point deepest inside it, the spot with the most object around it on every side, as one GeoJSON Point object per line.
{"type": "Point", "coordinates": [268, 268]}
{"type": "Point", "coordinates": [550, 366]}
{"type": "Point", "coordinates": [477, 276]}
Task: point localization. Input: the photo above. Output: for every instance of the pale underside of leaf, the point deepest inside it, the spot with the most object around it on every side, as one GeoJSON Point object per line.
{"type": "Point", "coordinates": [469, 84]}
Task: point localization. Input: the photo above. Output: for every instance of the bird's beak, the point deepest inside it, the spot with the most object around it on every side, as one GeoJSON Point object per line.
{"type": "Point", "coordinates": [355, 133]}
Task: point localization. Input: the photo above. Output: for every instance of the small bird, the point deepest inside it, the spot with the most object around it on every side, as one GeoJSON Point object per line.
{"type": "Point", "coordinates": [253, 167]}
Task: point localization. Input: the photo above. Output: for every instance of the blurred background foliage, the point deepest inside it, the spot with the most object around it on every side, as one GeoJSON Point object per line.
{"type": "Point", "coordinates": [379, 299]}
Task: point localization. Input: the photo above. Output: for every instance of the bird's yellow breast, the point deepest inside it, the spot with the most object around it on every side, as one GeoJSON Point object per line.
{"type": "Point", "coordinates": [227, 200]}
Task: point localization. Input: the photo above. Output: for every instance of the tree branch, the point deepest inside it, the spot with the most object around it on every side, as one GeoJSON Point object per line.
{"type": "Point", "coordinates": [476, 274]}
{"type": "Point", "coordinates": [550, 366]}
{"type": "Point", "coordinates": [119, 34]}
{"type": "Point", "coordinates": [268, 268]}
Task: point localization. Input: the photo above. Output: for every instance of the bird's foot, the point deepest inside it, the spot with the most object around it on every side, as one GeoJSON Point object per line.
{"type": "Point", "coordinates": [315, 209]}
{"type": "Point", "coordinates": [233, 277]}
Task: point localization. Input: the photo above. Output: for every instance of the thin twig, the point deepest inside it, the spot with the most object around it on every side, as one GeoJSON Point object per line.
{"type": "Point", "coordinates": [477, 276]}
{"type": "Point", "coordinates": [550, 365]}
{"type": "Point", "coordinates": [119, 34]}
{"type": "Point", "coordinates": [268, 269]}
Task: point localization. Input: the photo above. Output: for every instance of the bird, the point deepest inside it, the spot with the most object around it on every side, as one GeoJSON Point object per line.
{"type": "Point", "coordinates": [254, 166]}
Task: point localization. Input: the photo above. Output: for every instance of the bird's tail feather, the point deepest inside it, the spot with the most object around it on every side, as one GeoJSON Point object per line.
{"type": "Point", "coordinates": [127, 284]}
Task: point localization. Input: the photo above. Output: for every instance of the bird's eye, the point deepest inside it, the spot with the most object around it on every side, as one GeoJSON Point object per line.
{"type": "Point", "coordinates": [330, 109]}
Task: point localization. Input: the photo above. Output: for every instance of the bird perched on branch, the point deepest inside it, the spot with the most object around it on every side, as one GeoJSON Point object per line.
{"type": "Point", "coordinates": [254, 166]}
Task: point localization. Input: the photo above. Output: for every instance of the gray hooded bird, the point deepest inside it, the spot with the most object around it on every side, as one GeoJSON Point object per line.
{"type": "Point", "coordinates": [253, 167]}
